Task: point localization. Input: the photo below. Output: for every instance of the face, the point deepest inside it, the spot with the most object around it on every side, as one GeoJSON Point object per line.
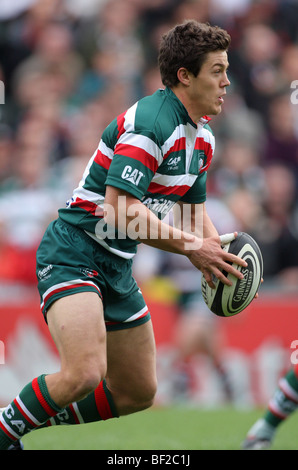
{"type": "Point", "coordinates": [206, 91]}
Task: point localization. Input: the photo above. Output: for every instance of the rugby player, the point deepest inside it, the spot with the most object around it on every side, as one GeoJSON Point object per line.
{"type": "Point", "coordinates": [150, 159]}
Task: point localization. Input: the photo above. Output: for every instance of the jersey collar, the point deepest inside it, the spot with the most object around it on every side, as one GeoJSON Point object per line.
{"type": "Point", "coordinates": [202, 121]}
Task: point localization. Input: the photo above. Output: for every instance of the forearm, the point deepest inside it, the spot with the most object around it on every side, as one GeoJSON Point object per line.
{"type": "Point", "coordinates": [209, 228]}
{"type": "Point", "coordinates": [194, 219]}
{"type": "Point", "coordinates": [136, 221]}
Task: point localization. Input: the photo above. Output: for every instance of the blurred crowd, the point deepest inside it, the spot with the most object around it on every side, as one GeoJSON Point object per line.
{"type": "Point", "coordinates": [70, 66]}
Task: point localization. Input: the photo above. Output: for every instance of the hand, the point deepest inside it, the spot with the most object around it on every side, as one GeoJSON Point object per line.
{"type": "Point", "coordinates": [211, 259]}
{"type": "Point", "coordinates": [257, 294]}
{"type": "Point", "coordinates": [227, 238]}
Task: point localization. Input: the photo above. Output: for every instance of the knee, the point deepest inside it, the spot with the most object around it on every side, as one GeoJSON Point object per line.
{"type": "Point", "coordinates": [144, 402]}
{"type": "Point", "coordinates": [80, 383]}
{"type": "Point", "coordinates": [84, 384]}
{"type": "Point", "coordinates": [139, 398]}
{"type": "Point", "coordinates": [148, 396]}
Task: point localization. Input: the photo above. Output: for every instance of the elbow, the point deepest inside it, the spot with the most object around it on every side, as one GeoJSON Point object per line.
{"type": "Point", "coordinates": [110, 215]}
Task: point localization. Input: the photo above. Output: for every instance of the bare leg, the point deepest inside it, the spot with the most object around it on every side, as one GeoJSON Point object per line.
{"type": "Point", "coordinates": [77, 327]}
{"type": "Point", "coordinates": [131, 376]}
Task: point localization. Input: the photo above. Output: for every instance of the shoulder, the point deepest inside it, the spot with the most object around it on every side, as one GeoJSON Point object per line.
{"type": "Point", "coordinates": [141, 117]}
{"type": "Point", "coordinates": [154, 112]}
{"type": "Point", "coordinates": [207, 134]}
{"type": "Point", "coordinates": [208, 129]}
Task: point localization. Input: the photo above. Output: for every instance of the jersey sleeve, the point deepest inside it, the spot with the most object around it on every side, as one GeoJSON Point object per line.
{"type": "Point", "coordinates": [137, 155]}
{"type": "Point", "coordinates": [197, 193]}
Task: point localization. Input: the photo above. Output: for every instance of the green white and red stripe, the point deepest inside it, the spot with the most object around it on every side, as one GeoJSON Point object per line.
{"type": "Point", "coordinates": [276, 408]}
{"type": "Point", "coordinates": [77, 284]}
{"type": "Point", "coordinates": [155, 152]}
{"type": "Point", "coordinates": [97, 406]}
{"type": "Point", "coordinates": [28, 411]}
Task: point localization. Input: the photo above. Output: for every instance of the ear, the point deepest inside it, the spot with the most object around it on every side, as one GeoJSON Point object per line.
{"type": "Point", "coordinates": [183, 76]}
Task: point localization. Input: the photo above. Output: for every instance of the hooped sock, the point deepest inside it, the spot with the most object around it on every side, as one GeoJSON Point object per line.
{"type": "Point", "coordinates": [28, 411]}
{"type": "Point", "coordinates": [97, 406]}
{"type": "Point", "coordinates": [284, 401]}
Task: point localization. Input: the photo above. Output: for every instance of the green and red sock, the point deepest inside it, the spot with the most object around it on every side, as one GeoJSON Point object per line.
{"type": "Point", "coordinates": [97, 406]}
{"type": "Point", "coordinates": [33, 408]}
{"type": "Point", "coordinates": [28, 411]}
{"type": "Point", "coordinates": [285, 400]}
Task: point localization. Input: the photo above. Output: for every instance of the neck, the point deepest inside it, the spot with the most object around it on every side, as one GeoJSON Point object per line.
{"type": "Point", "coordinates": [192, 110]}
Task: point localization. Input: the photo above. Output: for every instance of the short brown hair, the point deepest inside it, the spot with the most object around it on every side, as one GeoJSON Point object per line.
{"type": "Point", "coordinates": [186, 45]}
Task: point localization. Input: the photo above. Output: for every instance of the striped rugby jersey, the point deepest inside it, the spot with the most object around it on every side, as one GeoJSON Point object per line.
{"type": "Point", "coordinates": [155, 152]}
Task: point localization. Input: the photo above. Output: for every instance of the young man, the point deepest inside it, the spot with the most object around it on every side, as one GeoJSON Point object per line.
{"type": "Point", "coordinates": [282, 404]}
{"type": "Point", "coordinates": [150, 158]}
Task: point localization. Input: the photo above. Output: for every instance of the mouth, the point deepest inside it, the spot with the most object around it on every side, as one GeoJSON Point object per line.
{"type": "Point", "coordinates": [220, 98]}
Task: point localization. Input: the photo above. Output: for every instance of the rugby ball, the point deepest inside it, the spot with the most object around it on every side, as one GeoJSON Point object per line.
{"type": "Point", "coordinates": [227, 301]}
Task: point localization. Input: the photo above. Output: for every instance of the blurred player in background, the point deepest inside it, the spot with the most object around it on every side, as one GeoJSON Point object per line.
{"type": "Point", "coordinates": [151, 157]}
{"type": "Point", "coordinates": [283, 403]}
{"type": "Point", "coordinates": [196, 332]}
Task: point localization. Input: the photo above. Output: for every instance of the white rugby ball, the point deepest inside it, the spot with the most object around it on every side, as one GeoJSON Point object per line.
{"type": "Point", "coordinates": [226, 301]}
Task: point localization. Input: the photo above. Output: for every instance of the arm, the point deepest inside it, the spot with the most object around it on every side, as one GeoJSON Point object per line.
{"type": "Point", "coordinates": [136, 221]}
{"type": "Point", "coordinates": [133, 218]}
{"type": "Point", "coordinates": [193, 218]}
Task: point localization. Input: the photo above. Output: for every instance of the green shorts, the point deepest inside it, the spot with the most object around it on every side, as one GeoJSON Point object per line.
{"type": "Point", "coordinates": [69, 261]}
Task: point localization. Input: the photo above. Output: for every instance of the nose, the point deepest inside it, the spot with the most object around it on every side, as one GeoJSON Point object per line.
{"type": "Point", "coordinates": [226, 81]}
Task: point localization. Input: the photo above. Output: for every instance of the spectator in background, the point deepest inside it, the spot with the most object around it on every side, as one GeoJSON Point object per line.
{"type": "Point", "coordinates": [28, 197]}
{"type": "Point", "coordinates": [287, 12]}
{"type": "Point", "coordinates": [280, 206]}
{"type": "Point", "coordinates": [239, 168]}
{"type": "Point", "coordinates": [289, 64]}
{"type": "Point", "coordinates": [227, 12]}
{"type": "Point", "coordinates": [6, 150]}
{"type": "Point", "coordinates": [282, 140]}
{"type": "Point", "coordinates": [246, 209]}
{"type": "Point", "coordinates": [271, 218]}
{"type": "Point", "coordinates": [115, 53]}
{"type": "Point", "coordinates": [54, 55]}
{"type": "Point", "coordinates": [259, 74]}
{"type": "Point", "coordinates": [57, 97]}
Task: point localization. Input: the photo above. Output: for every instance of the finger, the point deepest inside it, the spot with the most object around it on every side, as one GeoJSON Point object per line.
{"type": "Point", "coordinates": [257, 294]}
{"type": "Point", "coordinates": [227, 238]}
{"type": "Point", "coordinates": [230, 269]}
{"type": "Point", "coordinates": [235, 259]}
{"type": "Point", "coordinates": [209, 279]}
{"type": "Point", "coordinates": [222, 278]}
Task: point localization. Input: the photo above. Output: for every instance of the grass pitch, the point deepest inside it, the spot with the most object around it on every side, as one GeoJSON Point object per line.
{"type": "Point", "coordinates": [174, 428]}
